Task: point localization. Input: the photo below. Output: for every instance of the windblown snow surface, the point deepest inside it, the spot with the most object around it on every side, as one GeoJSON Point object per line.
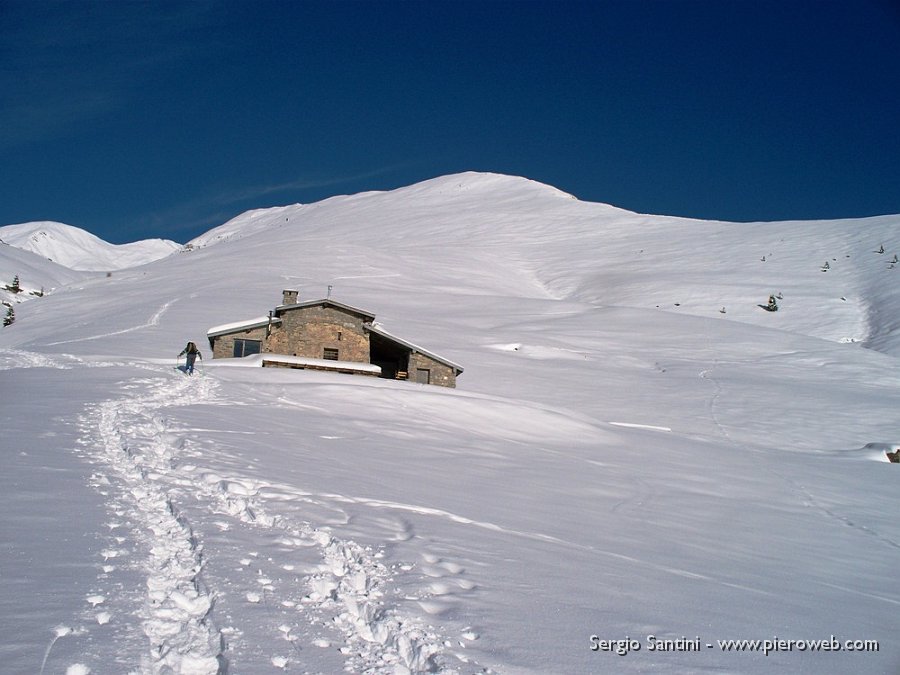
{"type": "Point", "coordinates": [636, 452]}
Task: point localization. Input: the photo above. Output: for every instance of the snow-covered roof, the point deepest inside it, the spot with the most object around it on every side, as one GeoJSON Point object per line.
{"type": "Point", "coordinates": [373, 328]}
{"type": "Point", "coordinates": [226, 328]}
{"type": "Point", "coordinates": [321, 363]}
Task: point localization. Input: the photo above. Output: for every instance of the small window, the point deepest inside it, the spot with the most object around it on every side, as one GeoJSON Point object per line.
{"type": "Point", "coordinates": [340, 336]}
{"type": "Point", "coordinates": [423, 376]}
{"type": "Point", "coordinates": [246, 347]}
{"type": "Point", "coordinates": [330, 354]}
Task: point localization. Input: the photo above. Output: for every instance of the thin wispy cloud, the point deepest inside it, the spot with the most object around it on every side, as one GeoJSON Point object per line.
{"type": "Point", "coordinates": [65, 64]}
{"type": "Point", "coordinates": [303, 183]}
{"type": "Point", "coordinates": [206, 212]}
{"type": "Point", "coordinates": [50, 116]}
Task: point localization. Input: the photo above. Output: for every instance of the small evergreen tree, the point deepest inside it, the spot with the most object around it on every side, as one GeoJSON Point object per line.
{"type": "Point", "coordinates": [10, 317]}
{"type": "Point", "coordinates": [14, 286]}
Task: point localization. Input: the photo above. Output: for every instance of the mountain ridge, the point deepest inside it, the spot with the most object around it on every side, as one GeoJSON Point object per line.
{"type": "Point", "coordinates": [516, 236]}
{"type": "Point", "coordinates": [80, 250]}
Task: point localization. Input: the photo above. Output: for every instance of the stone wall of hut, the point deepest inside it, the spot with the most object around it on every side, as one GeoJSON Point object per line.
{"type": "Point", "coordinates": [425, 369]}
{"type": "Point", "coordinates": [309, 331]}
{"type": "Point", "coordinates": [223, 345]}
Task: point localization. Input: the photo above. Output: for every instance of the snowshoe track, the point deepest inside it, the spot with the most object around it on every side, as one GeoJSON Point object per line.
{"type": "Point", "coordinates": [140, 467]}
{"type": "Point", "coordinates": [130, 441]}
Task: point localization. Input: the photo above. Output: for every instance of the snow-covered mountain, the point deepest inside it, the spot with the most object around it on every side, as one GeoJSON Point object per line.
{"type": "Point", "coordinates": [636, 452]}
{"type": "Point", "coordinates": [77, 249]}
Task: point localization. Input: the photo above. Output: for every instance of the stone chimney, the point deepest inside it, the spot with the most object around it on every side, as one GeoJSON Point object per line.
{"type": "Point", "coordinates": [290, 296]}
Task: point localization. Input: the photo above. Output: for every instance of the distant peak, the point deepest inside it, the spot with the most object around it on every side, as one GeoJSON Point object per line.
{"type": "Point", "coordinates": [481, 181]}
{"type": "Point", "coordinates": [78, 249]}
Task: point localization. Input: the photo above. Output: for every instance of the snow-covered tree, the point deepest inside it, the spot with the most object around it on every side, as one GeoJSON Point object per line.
{"type": "Point", "coordinates": [10, 317]}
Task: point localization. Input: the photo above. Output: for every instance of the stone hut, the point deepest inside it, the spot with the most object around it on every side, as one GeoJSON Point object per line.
{"type": "Point", "coordinates": [329, 335]}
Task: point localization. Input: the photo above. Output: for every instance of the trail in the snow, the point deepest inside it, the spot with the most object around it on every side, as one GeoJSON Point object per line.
{"type": "Point", "coordinates": [152, 321]}
{"type": "Point", "coordinates": [347, 592]}
{"type": "Point", "coordinates": [810, 500]}
{"type": "Point", "coordinates": [20, 358]}
{"type": "Point", "coordinates": [805, 496]}
{"type": "Point", "coordinates": [130, 443]}
{"type": "Point", "coordinates": [147, 469]}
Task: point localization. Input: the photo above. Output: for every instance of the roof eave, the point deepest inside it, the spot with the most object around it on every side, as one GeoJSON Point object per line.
{"type": "Point", "coordinates": [325, 301]}
{"type": "Point", "coordinates": [414, 348]}
{"type": "Point", "coordinates": [241, 328]}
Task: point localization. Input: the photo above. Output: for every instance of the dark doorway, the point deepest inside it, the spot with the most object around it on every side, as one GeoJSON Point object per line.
{"type": "Point", "coordinates": [390, 356]}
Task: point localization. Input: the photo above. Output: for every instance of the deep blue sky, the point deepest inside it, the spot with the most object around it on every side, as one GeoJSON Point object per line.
{"type": "Point", "coordinates": [135, 119]}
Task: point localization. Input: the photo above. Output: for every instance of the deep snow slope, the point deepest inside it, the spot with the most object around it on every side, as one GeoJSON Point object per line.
{"type": "Point", "coordinates": [621, 459]}
{"type": "Point", "coordinates": [36, 274]}
{"type": "Point", "coordinates": [80, 250]}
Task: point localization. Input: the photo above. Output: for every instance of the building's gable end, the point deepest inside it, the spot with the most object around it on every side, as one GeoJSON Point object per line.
{"type": "Point", "coordinates": [321, 330]}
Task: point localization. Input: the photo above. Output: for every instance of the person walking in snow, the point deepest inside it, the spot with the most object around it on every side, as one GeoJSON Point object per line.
{"type": "Point", "coordinates": [190, 352]}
